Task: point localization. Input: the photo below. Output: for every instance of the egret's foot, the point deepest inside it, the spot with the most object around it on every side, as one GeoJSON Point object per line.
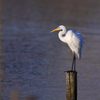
{"type": "Point", "coordinates": [69, 71]}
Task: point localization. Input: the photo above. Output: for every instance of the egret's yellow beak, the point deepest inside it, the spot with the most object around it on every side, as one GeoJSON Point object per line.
{"type": "Point", "coordinates": [55, 29]}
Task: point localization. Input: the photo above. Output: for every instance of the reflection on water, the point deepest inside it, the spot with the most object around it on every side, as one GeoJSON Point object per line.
{"type": "Point", "coordinates": [34, 60]}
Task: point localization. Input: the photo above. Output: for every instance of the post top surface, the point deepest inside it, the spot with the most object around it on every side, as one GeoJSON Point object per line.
{"type": "Point", "coordinates": [70, 71]}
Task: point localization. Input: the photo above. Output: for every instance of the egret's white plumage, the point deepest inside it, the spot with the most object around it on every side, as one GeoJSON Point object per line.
{"type": "Point", "coordinates": [72, 38]}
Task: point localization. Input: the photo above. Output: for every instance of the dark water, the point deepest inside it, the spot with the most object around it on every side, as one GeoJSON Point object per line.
{"type": "Point", "coordinates": [34, 60]}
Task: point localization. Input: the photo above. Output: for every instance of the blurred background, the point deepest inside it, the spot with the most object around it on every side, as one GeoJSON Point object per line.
{"type": "Point", "coordinates": [34, 60]}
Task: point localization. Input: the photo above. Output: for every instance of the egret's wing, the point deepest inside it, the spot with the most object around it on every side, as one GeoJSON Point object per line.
{"type": "Point", "coordinates": [78, 35]}
{"type": "Point", "coordinates": [76, 42]}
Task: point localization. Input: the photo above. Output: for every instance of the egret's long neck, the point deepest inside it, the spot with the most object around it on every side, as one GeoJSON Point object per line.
{"type": "Point", "coordinates": [62, 35]}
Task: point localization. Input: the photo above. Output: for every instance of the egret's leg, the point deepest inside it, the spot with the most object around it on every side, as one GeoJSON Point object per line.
{"type": "Point", "coordinates": [73, 61]}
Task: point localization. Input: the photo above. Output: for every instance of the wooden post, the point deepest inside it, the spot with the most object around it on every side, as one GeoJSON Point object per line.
{"type": "Point", "coordinates": [71, 85]}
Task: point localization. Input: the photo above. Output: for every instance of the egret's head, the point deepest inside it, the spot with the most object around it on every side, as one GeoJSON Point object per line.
{"type": "Point", "coordinates": [58, 28]}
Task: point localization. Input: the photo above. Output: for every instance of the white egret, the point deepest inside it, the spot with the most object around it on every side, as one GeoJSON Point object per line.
{"type": "Point", "coordinates": [74, 41]}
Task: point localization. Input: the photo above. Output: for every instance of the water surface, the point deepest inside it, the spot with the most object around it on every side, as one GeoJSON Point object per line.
{"type": "Point", "coordinates": [34, 60]}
